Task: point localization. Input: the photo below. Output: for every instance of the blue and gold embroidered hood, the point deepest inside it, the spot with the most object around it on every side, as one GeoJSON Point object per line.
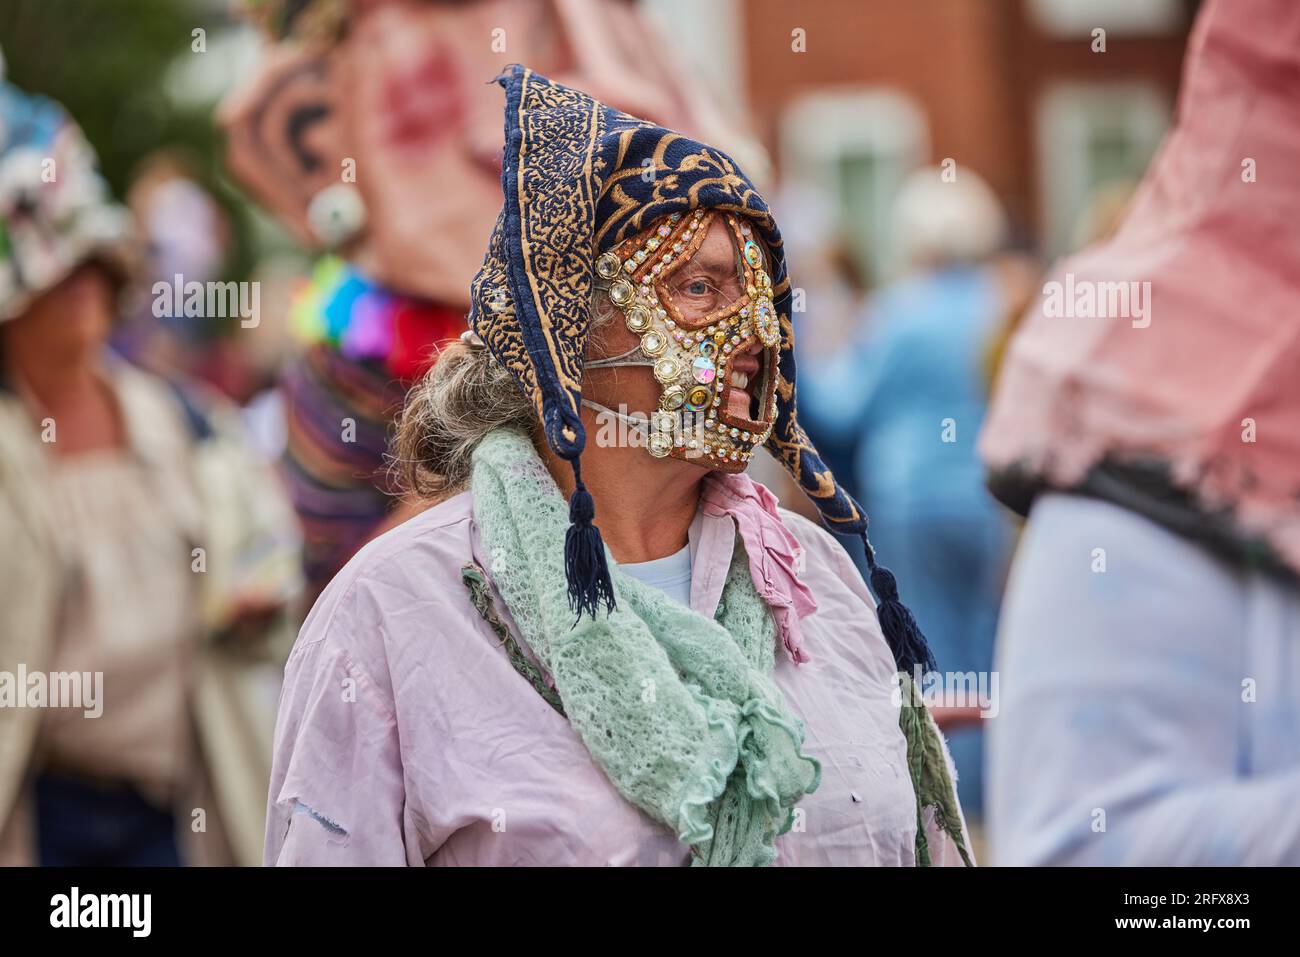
{"type": "Point", "coordinates": [579, 178]}
{"type": "Point", "coordinates": [575, 184]}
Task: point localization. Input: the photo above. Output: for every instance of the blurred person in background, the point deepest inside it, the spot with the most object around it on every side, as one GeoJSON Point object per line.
{"type": "Point", "coordinates": [835, 290]}
{"type": "Point", "coordinates": [372, 130]}
{"type": "Point", "coordinates": [144, 544]}
{"type": "Point", "coordinates": [182, 231]}
{"type": "Point", "coordinates": [1021, 272]}
{"type": "Point", "coordinates": [910, 394]}
{"type": "Point", "coordinates": [1147, 420]}
{"type": "Point", "coordinates": [187, 237]}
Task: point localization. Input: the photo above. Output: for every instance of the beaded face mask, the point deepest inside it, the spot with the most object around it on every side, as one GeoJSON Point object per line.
{"type": "Point", "coordinates": [708, 330]}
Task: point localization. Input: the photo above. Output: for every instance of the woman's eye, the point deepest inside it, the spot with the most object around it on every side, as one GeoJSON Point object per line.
{"type": "Point", "coordinates": [697, 288]}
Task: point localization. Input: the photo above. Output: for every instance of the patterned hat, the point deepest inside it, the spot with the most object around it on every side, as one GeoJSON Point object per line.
{"type": "Point", "coordinates": [55, 209]}
{"type": "Point", "coordinates": [575, 184]}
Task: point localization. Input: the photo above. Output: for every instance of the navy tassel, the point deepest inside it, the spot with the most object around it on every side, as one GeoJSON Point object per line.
{"type": "Point", "coordinates": [897, 622]}
{"type": "Point", "coordinates": [585, 566]}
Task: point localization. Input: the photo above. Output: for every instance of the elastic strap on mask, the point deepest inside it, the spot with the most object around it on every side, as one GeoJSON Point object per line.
{"type": "Point", "coordinates": [640, 425]}
{"type": "Point", "coordinates": [633, 357]}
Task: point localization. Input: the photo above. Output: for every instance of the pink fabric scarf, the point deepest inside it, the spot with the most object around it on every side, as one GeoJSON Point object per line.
{"type": "Point", "coordinates": [775, 557]}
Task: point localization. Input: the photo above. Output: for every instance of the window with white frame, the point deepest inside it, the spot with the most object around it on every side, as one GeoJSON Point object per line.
{"type": "Point", "coordinates": [854, 148]}
{"type": "Point", "coordinates": [1091, 136]}
{"type": "Point", "coordinates": [1071, 18]}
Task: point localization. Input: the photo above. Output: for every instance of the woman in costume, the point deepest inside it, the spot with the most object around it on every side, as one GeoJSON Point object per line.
{"type": "Point", "coordinates": [487, 684]}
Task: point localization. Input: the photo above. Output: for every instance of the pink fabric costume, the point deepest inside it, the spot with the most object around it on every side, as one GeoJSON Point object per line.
{"type": "Point", "coordinates": [1206, 382]}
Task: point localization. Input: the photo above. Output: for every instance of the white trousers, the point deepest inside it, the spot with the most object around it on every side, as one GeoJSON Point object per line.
{"type": "Point", "coordinates": [1150, 700]}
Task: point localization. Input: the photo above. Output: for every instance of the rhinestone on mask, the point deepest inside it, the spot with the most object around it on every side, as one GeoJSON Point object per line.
{"type": "Point", "coordinates": [607, 266]}
{"type": "Point", "coordinates": [663, 421]}
{"type": "Point", "coordinates": [698, 398]}
{"type": "Point", "coordinates": [667, 370]}
{"type": "Point", "coordinates": [638, 319]}
{"type": "Point", "coordinates": [621, 292]}
{"type": "Point", "coordinates": [766, 325]}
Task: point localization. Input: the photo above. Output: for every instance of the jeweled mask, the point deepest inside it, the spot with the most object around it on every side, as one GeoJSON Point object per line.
{"type": "Point", "coordinates": [707, 328]}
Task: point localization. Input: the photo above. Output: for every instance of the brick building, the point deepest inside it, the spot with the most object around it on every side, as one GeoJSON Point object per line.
{"type": "Point", "coordinates": [1019, 90]}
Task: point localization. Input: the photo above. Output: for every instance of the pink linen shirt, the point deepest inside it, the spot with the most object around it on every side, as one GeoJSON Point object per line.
{"type": "Point", "coordinates": [406, 737]}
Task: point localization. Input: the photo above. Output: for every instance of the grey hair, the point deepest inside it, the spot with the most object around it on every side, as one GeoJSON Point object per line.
{"type": "Point", "coordinates": [464, 396]}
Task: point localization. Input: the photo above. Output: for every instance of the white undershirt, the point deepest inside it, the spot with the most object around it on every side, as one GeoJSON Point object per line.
{"type": "Point", "coordinates": [671, 575]}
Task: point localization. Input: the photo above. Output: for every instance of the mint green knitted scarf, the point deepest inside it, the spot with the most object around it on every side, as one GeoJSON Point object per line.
{"type": "Point", "coordinates": [680, 711]}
